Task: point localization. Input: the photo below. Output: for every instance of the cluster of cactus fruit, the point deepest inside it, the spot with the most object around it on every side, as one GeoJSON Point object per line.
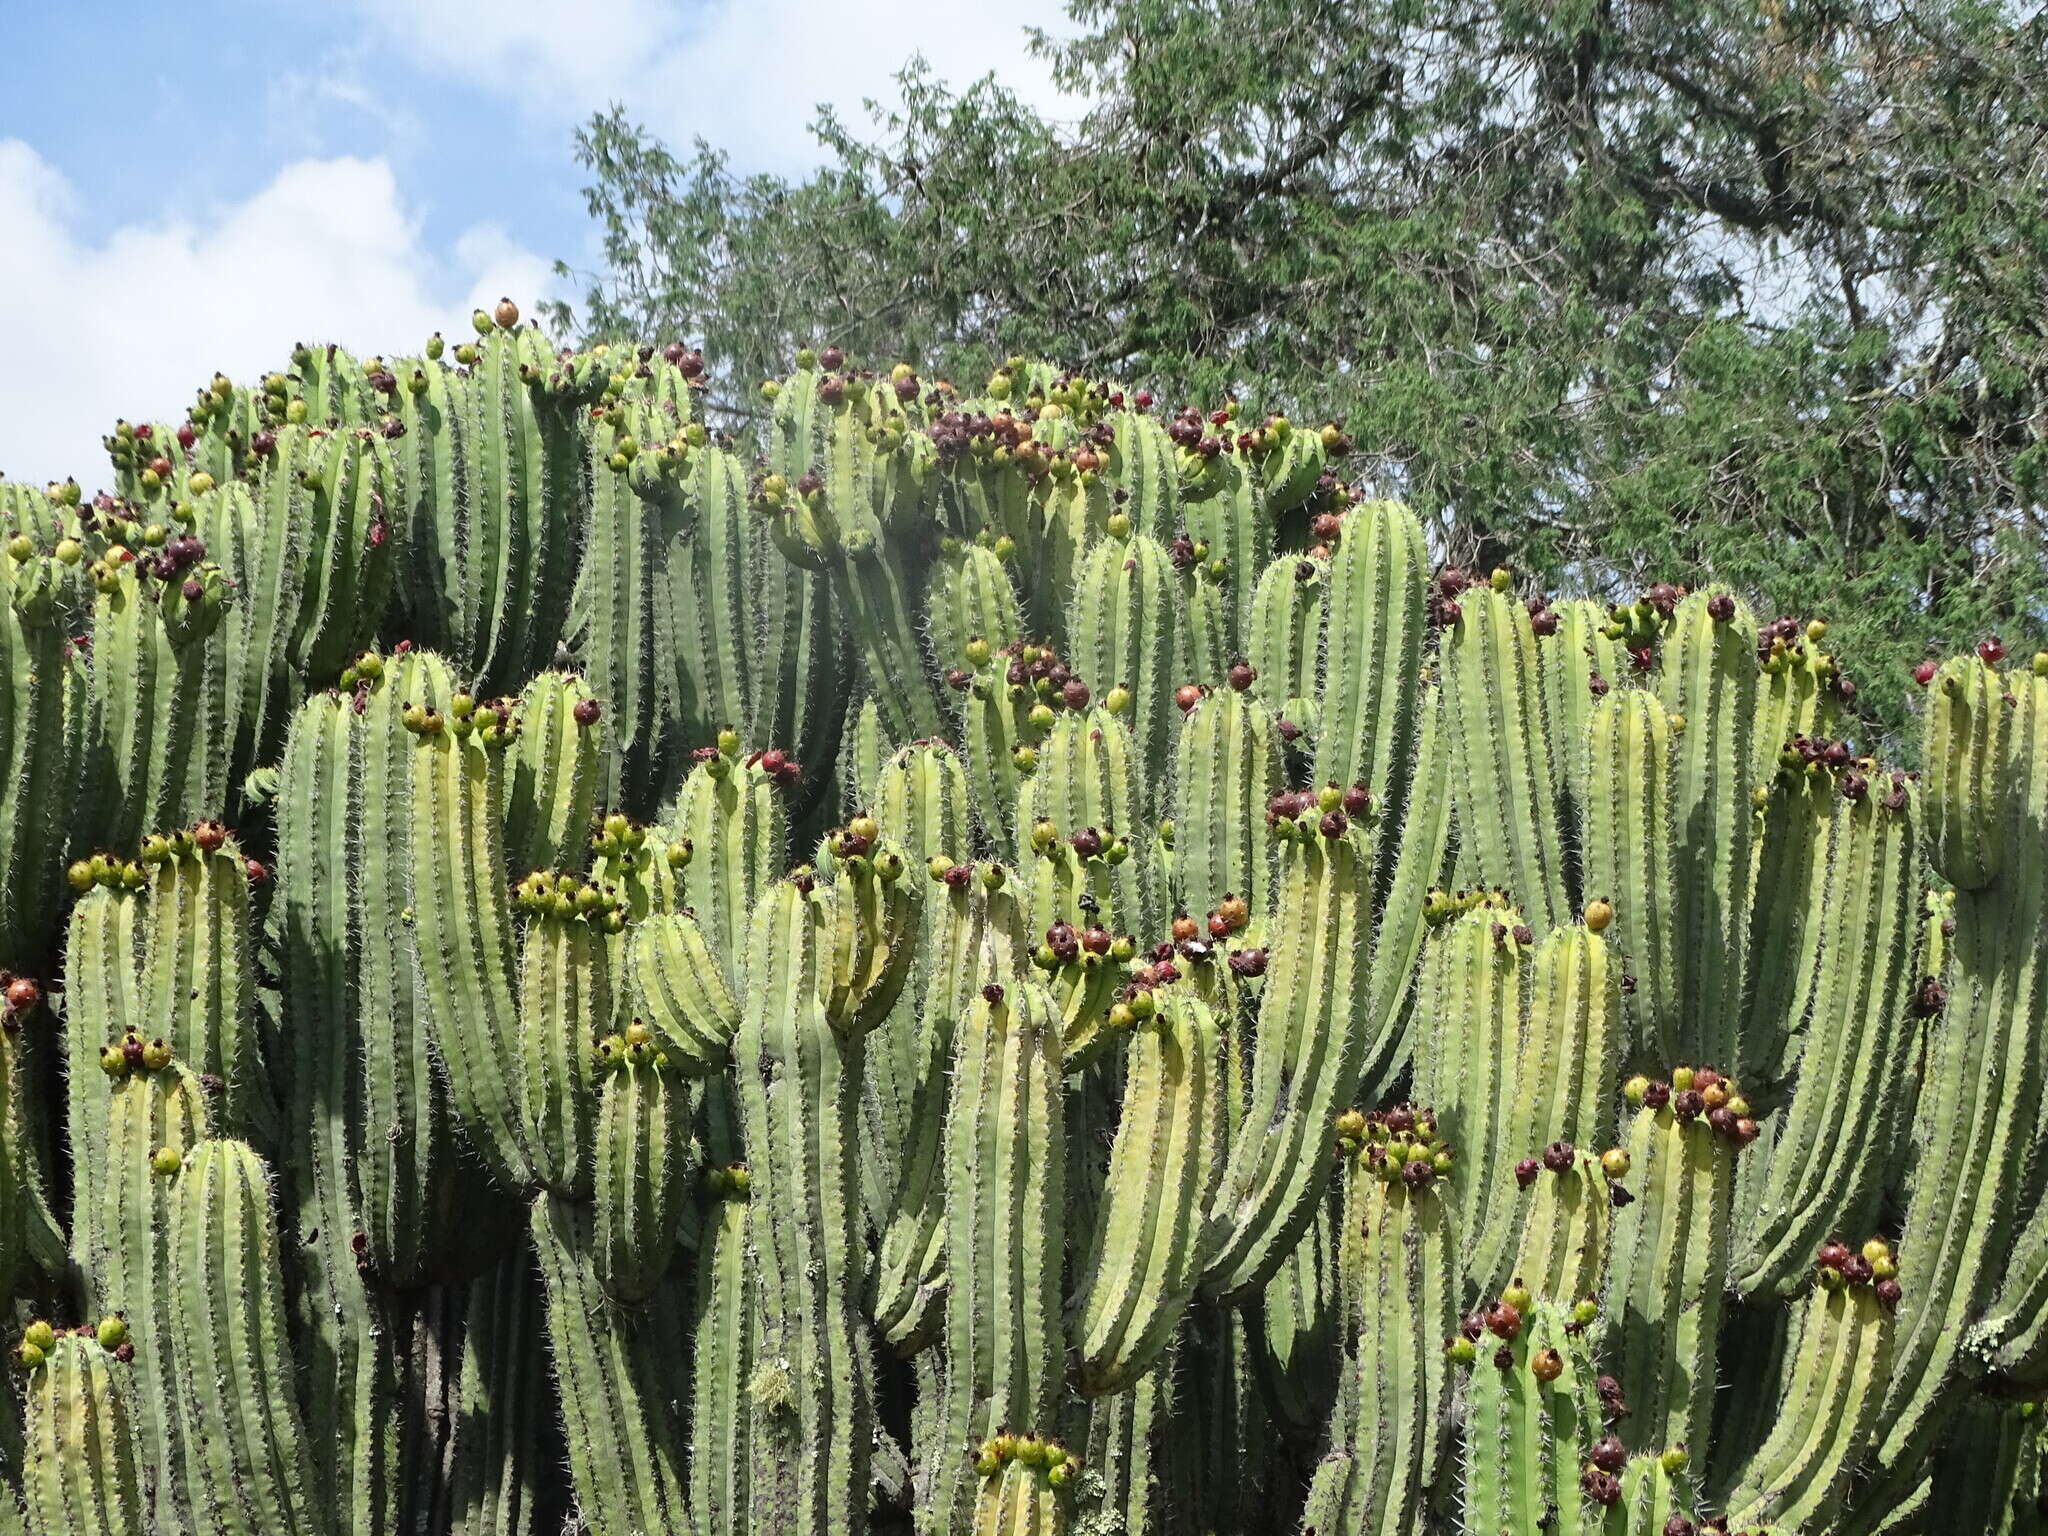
{"type": "Point", "coordinates": [975, 964]}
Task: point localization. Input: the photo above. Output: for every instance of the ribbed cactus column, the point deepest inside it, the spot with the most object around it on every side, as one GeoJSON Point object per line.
{"type": "Point", "coordinates": [971, 599]}
{"type": "Point", "coordinates": [1004, 1230]}
{"type": "Point", "coordinates": [564, 1002]}
{"type": "Point", "coordinates": [825, 966]}
{"type": "Point", "coordinates": [154, 1113]}
{"type": "Point", "coordinates": [551, 774]}
{"type": "Point", "coordinates": [977, 939]}
{"type": "Point", "coordinates": [349, 1396]}
{"type": "Point", "coordinates": [722, 1358]}
{"type": "Point", "coordinates": [1579, 663]}
{"type": "Point", "coordinates": [1981, 1089]}
{"type": "Point", "coordinates": [1308, 1051]}
{"type": "Point", "coordinates": [618, 1383]}
{"type": "Point", "coordinates": [504, 1400]}
{"type": "Point", "coordinates": [1826, 1415]}
{"type": "Point", "coordinates": [401, 1140]}
{"type": "Point", "coordinates": [1227, 771]}
{"type": "Point", "coordinates": [1626, 785]}
{"type": "Point", "coordinates": [460, 914]}
{"type": "Point", "coordinates": [732, 815]}
{"type": "Point", "coordinates": [103, 967]}
{"type": "Point", "coordinates": [1163, 1173]}
{"type": "Point", "coordinates": [1399, 1273]}
{"type": "Point", "coordinates": [1532, 1418]}
{"type": "Point", "coordinates": [639, 1183]}
{"type": "Point", "coordinates": [41, 596]}
{"type": "Point", "coordinates": [198, 976]}
{"type": "Point", "coordinates": [79, 1444]}
{"type": "Point", "coordinates": [1670, 1262]}
{"type": "Point", "coordinates": [1565, 1220]}
{"type": "Point", "coordinates": [254, 1469]}
{"type": "Point", "coordinates": [1124, 632]}
{"type": "Point", "coordinates": [1707, 674]}
{"type": "Point", "coordinates": [1830, 1145]}
{"type": "Point", "coordinates": [1500, 759]}
{"type": "Point", "coordinates": [1285, 646]}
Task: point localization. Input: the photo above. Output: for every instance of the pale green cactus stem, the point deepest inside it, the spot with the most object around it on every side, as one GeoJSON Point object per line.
{"type": "Point", "coordinates": [1532, 1418]}
{"type": "Point", "coordinates": [970, 598]}
{"type": "Point", "coordinates": [618, 1391]}
{"type": "Point", "coordinates": [734, 820]}
{"type": "Point", "coordinates": [1145, 467]}
{"type": "Point", "coordinates": [863, 748]}
{"type": "Point", "coordinates": [825, 965]}
{"type": "Point", "coordinates": [155, 1114]}
{"type": "Point", "coordinates": [920, 805]}
{"type": "Point", "coordinates": [1021, 1499]}
{"type": "Point", "coordinates": [438, 458]}
{"type": "Point", "coordinates": [1124, 632]}
{"type": "Point", "coordinates": [1670, 1259]}
{"type": "Point", "coordinates": [976, 939]}
{"type": "Point", "coordinates": [160, 694]}
{"type": "Point", "coordinates": [1228, 768]}
{"type": "Point", "coordinates": [254, 1469]}
{"type": "Point", "coordinates": [461, 915]}
{"type": "Point", "coordinates": [41, 601]}
{"type": "Point", "coordinates": [1566, 1222]}
{"type": "Point", "coordinates": [1825, 1419]}
{"type": "Point", "coordinates": [564, 1001]}
{"type": "Point", "coordinates": [1965, 754]}
{"type": "Point", "coordinates": [103, 968]}
{"type": "Point", "coordinates": [721, 1359]}
{"type": "Point", "coordinates": [626, 628]}
{"type": "Point", "coordinates": [1005, 1216]}
{"type": "Point", "coordinates": [1205, 622]}
{"type": "Point", "coordinates": [639, 1183]}
{"type": "Point", "coordinates": [529, 502]}
{"type": "Point", "coordinates": [1310, 1042]}
{"type": "Point", "coordinates": [198, 975]}
{"type": "Point", "coordinates": [681, 989]}
{"type": "Point", "coordinates": [1980, 1092]}
{"type": "Point", "coordinates": [1399, 1273]}
{"type": "Point", "coordinates": [1164, 1170]}
{"type": "Point", "coordinates": [1799, 807]}
{"type": "Point", "coordinates": [1798, 697]}
{"type": "Point", "coordinates": [1001, 749]}
{"type": "Point", "coordinates": [714, 587]}
{"type": "Point", "coordinates": [504, 1398]}
{"type": "Point", "coordinates": [78, 1445]}
{"type": "Point", "coordinates": [552, 772]}
{"type": "Point", "coordinates": [1089, 777]}
{"type": "Point", "coordinates": [259, 562]}
{"type": "Point", "coordinates": [401, 1139]}
{"type": "Point", "coordinates": [874, 479]}
{"type": "Point", "coordinates": [1129, 1482]}
{"type": "Point", "coordinates": [1625, 815]}
{"type": "Point", "coordinates": [1656, 1487]}
{"type": "Point", "coordinates": [1372, 699]}
{"type": "Point", "coordinates": [1569, 659]}
{"type": "Point", "coordinates": [1469, 1064]}
{"type": "Point", "coordinates": [1073, 506]}
{"type": "Point", "coordinates": [1707, 673]}
{"type": "Point", "coordinates": [349, 1391]}
{"type": "Point", "coordinates": [1830, 1144]}
{"type": "Point", "coordinates": [1501, 784]}
{"type": "Point", "coordinates": [1285, 646]}
{"type": "Point", "coordinates": [1232, 525]}
{"type": "Point", "coordinates": [345, 566]}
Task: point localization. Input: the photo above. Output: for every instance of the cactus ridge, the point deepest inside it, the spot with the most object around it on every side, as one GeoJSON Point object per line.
{"type": "Point", "coordinates": [969, 960]}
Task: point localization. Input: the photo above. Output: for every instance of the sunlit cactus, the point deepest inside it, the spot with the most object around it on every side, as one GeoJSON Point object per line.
{"type": "Point", "coordinates": [968, 962]}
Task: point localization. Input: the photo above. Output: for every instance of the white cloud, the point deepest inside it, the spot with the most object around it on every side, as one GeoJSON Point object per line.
{"type": "Point", "coordinates": [132, 322]}
{"type": "Point", "coordinates": [745, 74]}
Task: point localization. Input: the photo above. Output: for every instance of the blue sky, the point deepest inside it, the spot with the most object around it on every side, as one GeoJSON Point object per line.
{"type": "Point", "coordinates": [195, 187]}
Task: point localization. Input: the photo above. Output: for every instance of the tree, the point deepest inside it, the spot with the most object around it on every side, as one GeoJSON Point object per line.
{"type": "Point", "coordinates": [1606, 288]}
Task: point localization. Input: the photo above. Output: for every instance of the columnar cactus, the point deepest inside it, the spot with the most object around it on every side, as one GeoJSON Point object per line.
{"type": "Point", "coordinates": [1221, 949]}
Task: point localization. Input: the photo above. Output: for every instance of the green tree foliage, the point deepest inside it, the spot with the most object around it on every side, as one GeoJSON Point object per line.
{"type": "Point", "coordinates": [1602, 287]}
